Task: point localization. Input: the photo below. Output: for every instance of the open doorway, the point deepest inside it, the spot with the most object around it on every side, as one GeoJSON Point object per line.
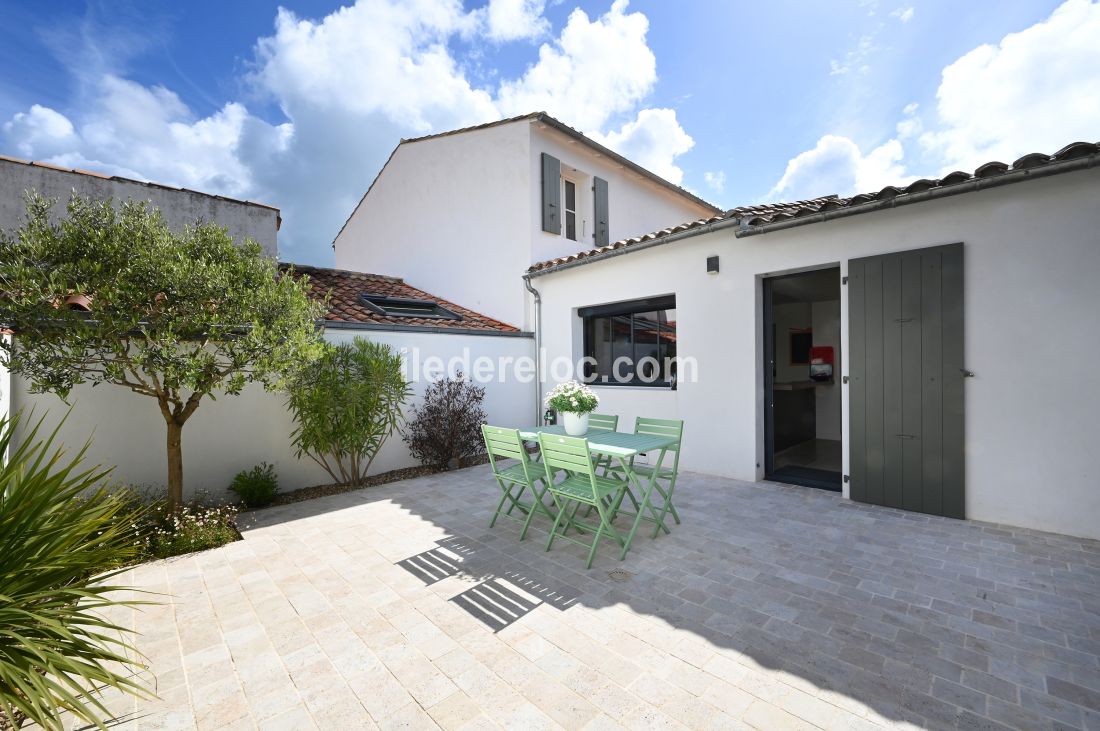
{"type": "Point", "coordinates": [802, 395]}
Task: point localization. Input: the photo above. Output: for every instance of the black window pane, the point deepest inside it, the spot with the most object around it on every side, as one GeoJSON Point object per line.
{"type": "Point", "coordinates": [633, 347]}
{"type": "Point", "coordinates": [570, 196]}
{"type": "Point", "coordinates": [571, 225]}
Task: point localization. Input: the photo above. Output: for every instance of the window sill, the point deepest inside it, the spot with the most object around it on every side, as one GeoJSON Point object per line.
{"type": "Point", "coordinates": [638, 386]}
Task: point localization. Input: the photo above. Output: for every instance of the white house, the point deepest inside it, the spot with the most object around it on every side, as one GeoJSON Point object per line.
{"type": "Point", "coordinates": [464, 213]}
{"type": "Point", "coordinates": [962, 318]}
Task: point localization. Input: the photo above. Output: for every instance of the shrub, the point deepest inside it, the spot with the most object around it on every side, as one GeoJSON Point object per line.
{"type": "Point", "coordinates": [190, 528]}
{"type": "Point", "coordinates": [447, 425]}
{"type": "Point", "coordinates": [61, 532]}
{"type": "Point", "coordinates": [346, 405]}
{"type": "Point", "coordinates": [256, 487]}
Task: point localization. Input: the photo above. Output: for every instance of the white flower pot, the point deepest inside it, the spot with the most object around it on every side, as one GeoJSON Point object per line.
{"type": "Point", "coordinates": [576, 425]}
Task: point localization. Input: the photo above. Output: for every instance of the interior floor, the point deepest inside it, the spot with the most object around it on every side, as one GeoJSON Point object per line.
{"type": "Point", "coordinates": [821, 454]}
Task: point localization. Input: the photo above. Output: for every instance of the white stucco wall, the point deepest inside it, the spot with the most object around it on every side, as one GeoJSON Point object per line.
{"type": "Point", "coordinates": [636, 205]}
{"type": "Point", "coordinates": [461, 215]}
{"type": "Point", "coordinates": [451, 215]}
{"type": "Point", "coordinates": [236, 432]}
{"type": "Point", "coordinates": [1032, 254]}
{"type": "Point", "coordinates": [179, 207]}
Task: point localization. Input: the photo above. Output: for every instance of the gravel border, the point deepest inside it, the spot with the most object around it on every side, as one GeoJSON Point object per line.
{"type": "Point", "coordinates": [407, 473]}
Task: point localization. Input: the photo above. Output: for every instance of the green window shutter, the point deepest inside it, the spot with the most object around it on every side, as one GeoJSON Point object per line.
{"type": "Point", "coordinates": [551, 194]}
{"type": "Point", "coordinates": [603, 228]}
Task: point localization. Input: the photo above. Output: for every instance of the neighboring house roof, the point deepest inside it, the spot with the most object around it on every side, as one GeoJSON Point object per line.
{"type": "Point", "coordinates": [118, 178]}
{"type": "Point", "coordinates": [346, 307]}
{"type": "Point", "coordinates": [549, 121]}
{"type": "Point", "coordinates": [761, 219]}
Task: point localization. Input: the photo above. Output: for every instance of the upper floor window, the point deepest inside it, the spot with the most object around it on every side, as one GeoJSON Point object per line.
{"type": "Point", "coordinates": [631, 343]}
{"type": "Point", "coordinates": [563, 212]}
{"type": "Point", "coordinates": [570, 210]}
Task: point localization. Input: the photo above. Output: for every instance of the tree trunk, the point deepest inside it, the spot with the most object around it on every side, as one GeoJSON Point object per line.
{"type": "Point", "coordinates": [175, 464]}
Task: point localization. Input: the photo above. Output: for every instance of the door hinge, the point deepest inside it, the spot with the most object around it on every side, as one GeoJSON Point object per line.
{"type": "Point", "coordinates": [844, 379]}
{"type": "Point", "coordinates": [846, 478]}
{"type": "Point", "coordinates": [966, 373]}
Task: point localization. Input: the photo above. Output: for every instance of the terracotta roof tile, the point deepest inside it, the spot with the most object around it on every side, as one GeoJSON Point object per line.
{"type": "Point", "coordinates": [751, 216]}
{"type": "Point", "coordinates": [344, 289]}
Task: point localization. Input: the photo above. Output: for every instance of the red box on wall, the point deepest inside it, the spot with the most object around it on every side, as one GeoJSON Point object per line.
{"type": "Point", "coordinates": [821, 354]}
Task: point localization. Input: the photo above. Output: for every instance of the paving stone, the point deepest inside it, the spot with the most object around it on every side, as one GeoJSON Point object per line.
{"type": "Point", "coordinates": [768, 607]}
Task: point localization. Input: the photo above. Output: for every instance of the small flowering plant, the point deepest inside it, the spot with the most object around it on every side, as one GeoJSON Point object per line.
{"type": "Point", "coordinates": [572, 397]}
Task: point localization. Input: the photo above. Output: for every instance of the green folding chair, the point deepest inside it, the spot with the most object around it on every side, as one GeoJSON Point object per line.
{"type": "Point", "coordinates": [580, 486]}
{"type": "Point", "coordinates": [515, 479]}
{"type": "Point", "coordinates": [603, 422]}
{"type": "Point", "coordinates": [667, 473]}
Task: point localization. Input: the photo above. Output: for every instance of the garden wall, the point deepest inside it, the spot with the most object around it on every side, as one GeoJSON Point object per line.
{"type": "Point", "coordinates": [236, 432]}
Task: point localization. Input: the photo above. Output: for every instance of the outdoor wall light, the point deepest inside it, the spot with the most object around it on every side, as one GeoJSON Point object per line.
{"type": "Point", "coordinates": [712, 265]}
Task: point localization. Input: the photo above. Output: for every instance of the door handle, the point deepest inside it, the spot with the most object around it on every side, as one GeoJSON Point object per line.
{"type": "Point", "coordinates": [905, 436]}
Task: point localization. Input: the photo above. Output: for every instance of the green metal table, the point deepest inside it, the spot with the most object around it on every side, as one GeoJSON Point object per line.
{"type": "Point", "coordinates": [623, 448]}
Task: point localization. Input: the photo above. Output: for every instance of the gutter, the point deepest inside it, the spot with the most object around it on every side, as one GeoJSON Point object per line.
{"type": "Point", "coordinates": [967, 186]}
{"type": "Point", "coordinates": [666, 239]}
{"type": "Point", "coordinates": [538, 346]}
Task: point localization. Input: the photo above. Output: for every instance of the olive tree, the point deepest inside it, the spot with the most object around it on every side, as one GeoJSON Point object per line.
{"type": "Point", "coordinates": [346, 405]}
{"type": "Point", "coordinates": [178, 316]}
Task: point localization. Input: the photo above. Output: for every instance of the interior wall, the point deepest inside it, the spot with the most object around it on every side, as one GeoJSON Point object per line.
{"type": "Point", "coordinates": [788, 317]}
{"type": "Point", "coordinates": [826, 324]}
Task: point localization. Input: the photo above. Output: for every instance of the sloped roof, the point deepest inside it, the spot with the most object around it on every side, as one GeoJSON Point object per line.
{"type": "Point", "coordinates": [549, 121]}
{"type": "Point", "coordinates": [119, 178]}
{"type": "Point", "coordinates": [759, 219]}
{"type": "Point", "coordinates": [344, 289]}
{"type": "Point", "coordinates": [699, 223]}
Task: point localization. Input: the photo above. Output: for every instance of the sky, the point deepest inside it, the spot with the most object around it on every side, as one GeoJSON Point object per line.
{"type": "Point", "coordinates": [298, 105]}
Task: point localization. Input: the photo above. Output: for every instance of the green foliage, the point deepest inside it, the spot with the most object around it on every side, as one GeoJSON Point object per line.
{"type": "Point", "coordinates": [189, 528]}
{"type": "Point", "coordinates": [346, 405]}
{"type": "Point", "coordinates": [256, 487]}
{"type": "Point", "coordinates": [446, 426]}
{"type": "Point", "coordinates": [60, 531]}
{"type": "Point", "coordinates": [176, 316]}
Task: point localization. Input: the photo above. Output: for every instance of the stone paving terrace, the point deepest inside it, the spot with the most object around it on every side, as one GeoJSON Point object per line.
{"type": "Point", "coordinates": [770, 607]}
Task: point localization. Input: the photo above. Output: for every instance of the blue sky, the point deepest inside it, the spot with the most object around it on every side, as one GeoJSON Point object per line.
{"type": "Point", "coordinates": [299, 106]}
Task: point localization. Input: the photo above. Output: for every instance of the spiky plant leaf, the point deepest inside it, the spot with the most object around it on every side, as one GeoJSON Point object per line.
{"type": "Point", "coordinates": [64, 539]}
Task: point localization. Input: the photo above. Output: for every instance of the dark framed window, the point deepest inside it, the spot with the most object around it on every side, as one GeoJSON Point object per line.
{"type": "Point", "coordinates": [631, 343]}
{"type": "Point", "coordinates": [404, 307]}
{"type": "Point", "coordinates": [570, 210]}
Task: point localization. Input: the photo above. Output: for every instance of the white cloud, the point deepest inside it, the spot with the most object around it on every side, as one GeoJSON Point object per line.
{"type": "Point", "coordinates": [904, 14]}
{"type": "Point", "coordinates": [511, 20]}
{"type": "Point", "coordinates": [856, 59]}
{"type": "Point", "coordinates": [836, 165]}
{"type": "Point", "coordinates": [594, 70]}
{"type": "Point", "coordinates": [350, 85]}
{"type": "Point", "coordinates": [716, 180]}
{"type": "Point", "coordinates": [653, 140]}
{"type": "Point", "coordinates": [1036, 90]}
{"type": "Point", "coordinates": [40, 130]}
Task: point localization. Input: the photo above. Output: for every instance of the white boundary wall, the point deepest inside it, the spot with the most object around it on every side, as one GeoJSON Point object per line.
{"type": "Point", "coordinates": [237, 432]}
{"type": "Point", "coordinates": [1032, 256]}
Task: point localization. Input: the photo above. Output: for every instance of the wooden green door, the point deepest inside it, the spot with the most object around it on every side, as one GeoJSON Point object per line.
{"type": "Point", "coordinates": [906, 370]}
